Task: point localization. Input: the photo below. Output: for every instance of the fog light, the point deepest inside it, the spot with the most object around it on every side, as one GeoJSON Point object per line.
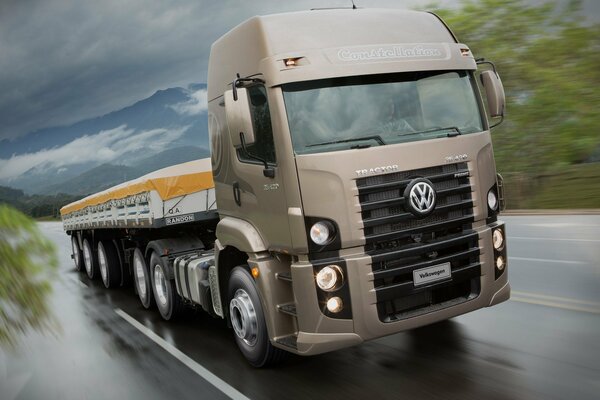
{"type": "Point", "coordinates": [329, 277]}
{"type": "Point", "coordinates": [492, 200]}
{"type": "Point", "coordinates": [335, 305]}
{"type": "Point", "coordinates": [321, 232]}
{"type": "Point", "coordinates": [498, 239]}
{"type": "Point", "coordinates": [500, 263]}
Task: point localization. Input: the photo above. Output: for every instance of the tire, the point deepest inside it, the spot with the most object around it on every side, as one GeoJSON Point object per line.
{"type": "Point", "coordinates": [90, 259]}
{"type": "Point", "coordinates": [168, 301]}
{"type": "Point", "coordinates": [141, 279]}
{"type": "Point", "coordinates": [110, 267]}
{"type": "Point", "coordinates": [77, 254]}
{"type": "Point", "coordinates": [248, 321]}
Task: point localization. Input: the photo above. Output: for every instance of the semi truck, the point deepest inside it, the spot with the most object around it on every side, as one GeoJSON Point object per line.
{"type": "Point", "coordinates": [351, 191]}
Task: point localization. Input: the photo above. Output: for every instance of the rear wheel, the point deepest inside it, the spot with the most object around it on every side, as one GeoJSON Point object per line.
{"type": "Point", "coordinates": [90, 259]}
{"type": "Point", "coordinates": [248, 321]}
{"type": "Point", "coordinates": [167, 299]}
{"type": "Point", "coordinates": [142, 279]}
{"type": "Point", "coordinates": [77, 254]}
{"type": "Point", "coordinates": [110, 267]}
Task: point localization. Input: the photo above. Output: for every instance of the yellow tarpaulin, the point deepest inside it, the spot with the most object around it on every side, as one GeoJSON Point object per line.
{"type": "Point", "coordinates": [169, 182]}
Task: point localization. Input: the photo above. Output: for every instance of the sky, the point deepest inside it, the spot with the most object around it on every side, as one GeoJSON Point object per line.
{"type": "Point", "coordinates": [62, 61]}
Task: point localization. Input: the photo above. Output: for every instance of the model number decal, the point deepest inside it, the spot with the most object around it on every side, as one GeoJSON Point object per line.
{"type": "Point", "coordinates": [456, 158]}
{"type": "Point", "coordinates": [271, 186]}
{"type": "Point", "coordinates": [180, 219]}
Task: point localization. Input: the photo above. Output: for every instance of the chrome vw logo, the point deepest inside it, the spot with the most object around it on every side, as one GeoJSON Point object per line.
{"type": "Point", "coordinates": [420, 197]}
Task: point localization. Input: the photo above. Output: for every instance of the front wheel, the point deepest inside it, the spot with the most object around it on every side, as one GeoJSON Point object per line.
{"type": "Point", "coordinates": [248, 321]}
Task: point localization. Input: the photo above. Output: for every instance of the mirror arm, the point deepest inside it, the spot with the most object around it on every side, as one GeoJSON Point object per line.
{"type": "Point", "coordinates": [484, 61]}
{"type": "Point", "coordinates": [236, 83]}
{"type": "Point", "coordinates": [499, 122]}
{"type": "Point", "coordinates": [268, 171]}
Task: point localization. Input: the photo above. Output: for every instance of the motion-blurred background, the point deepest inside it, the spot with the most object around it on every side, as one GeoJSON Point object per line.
{"type": "Point", "coordinates": [97, 93]}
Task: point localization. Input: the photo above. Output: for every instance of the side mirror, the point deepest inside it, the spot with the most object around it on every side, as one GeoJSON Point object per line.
{"type": "Point", "coordinates": [239, 118]}
{"type": "Point", "coordinates": [494, 92]}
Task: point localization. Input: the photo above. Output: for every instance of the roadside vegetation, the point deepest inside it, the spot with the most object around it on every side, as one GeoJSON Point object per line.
{"type": "Point", "coordinates": [547, 55]}
{"type": "Point", "coordinates": [27, 262]}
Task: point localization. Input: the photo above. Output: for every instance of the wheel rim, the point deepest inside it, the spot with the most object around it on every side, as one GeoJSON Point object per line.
{"type": "Point", "coordinates": [75, 253]}
{"type": "Point", "coordinates": [87, 256]}
{"type": "Point", "coordinates": [103, 266]}
{"type": "Point", "coordinates": [243, 317]}
{"type": "Point", "coordinates": [160, 284]}
{"type": "Point", "coordinates": [140, 278]}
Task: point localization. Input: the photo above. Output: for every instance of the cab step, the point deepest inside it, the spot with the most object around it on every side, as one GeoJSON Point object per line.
{"type": "Point", "coordinates": [284, 276]}
{"type": "Point", "coordinates": [287, 308]}
{"type": "Point", "coordinates": [290, 341]}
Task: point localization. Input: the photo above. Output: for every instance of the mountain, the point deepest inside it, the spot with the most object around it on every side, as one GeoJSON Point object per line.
{"type": "Point", "coordinates": [107, 175]}
{"type": "Point", "coordinates": [95, 180]}
{"type": "Point", "coordinates": [155, 111]}
{"type": "Point", "coordinates": [164, 129]}
{"type": "Point", "coordinates": [171, 157]}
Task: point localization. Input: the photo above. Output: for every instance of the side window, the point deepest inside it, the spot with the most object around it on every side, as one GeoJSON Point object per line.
{"type": "Point", "coordinates": [263, 147]}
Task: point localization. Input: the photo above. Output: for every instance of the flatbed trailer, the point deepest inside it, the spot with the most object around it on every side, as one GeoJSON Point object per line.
{"type": "Point", "coordinates": [174, 195]}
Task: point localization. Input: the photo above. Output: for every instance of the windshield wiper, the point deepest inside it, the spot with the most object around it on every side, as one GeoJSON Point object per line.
{"type": "Point", "coordinates": [377, 138]}
{"type": "Point", "coordinates": [454, 129]}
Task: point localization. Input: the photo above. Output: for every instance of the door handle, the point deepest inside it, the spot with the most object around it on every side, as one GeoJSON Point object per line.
{"type": "Point", "coordinates": [237, 196]}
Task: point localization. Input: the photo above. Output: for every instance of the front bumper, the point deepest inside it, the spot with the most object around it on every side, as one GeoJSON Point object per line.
{"type": "Point", "coordinates": [319, 333]}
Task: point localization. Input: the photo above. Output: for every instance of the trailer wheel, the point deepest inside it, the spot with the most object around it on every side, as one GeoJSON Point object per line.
{"type": "Point", "coordinates": [248, 320]}
{"type": "Point", "coordinates": [142, 279]}
{"type": "Point", "coordinates": [110, 268]}
{"type": "Point", "coordinates": [167, 299]}
{"type": "Point", "coordinates": [77, 254]}
{"type": "Point", "coordinates": [90, 259]}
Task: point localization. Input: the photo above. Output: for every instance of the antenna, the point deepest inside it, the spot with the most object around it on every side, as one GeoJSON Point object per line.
{"type": "Point", "coordinates": [353, 5]}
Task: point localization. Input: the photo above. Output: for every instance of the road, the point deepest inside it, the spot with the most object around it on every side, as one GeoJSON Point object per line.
{"type": "Point", "coordinates": [542, 344]}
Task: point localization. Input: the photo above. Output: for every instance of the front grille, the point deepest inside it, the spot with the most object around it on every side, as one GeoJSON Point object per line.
{"type": "Point", "coordinates": [400, 243]}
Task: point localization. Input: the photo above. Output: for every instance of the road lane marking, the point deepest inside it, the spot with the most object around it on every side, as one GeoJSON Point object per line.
{"type": "Point", "coordinates": [556, 302]}
{"type": "Point", "coordinates": [554, 239]}
{"type": "Point", "coordinates": [211, 378]}
{"type": "Point", "coordinates": [556, 298]}
{"type": "Point", "coordinates": [546, 260]}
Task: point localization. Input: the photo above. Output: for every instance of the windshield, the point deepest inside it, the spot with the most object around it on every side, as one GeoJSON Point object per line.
{"type": "Point", "coordinates": [359, 112]}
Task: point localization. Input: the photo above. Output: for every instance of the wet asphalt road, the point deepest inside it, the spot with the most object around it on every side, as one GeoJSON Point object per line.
{"type": "Point", "coordinates": [542, 344]}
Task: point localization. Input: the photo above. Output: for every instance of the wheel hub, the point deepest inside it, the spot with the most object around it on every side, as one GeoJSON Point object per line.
{"type": "Point", "coordinates": [87, 259]}
{"type": "Point", "coordinates": [243, 317]}
{"type": "Point", "coordinates": [103, 266]}
{"type": "Point", "coordinates": [140, 278]}
{"type": "Point", "coordinates": [160, 284]}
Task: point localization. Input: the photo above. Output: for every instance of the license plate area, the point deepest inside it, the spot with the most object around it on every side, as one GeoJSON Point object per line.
{"type": "Point", "coordinates": [424, 276]}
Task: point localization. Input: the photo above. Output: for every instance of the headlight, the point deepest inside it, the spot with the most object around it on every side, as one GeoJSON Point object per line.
{"type": "Point", "coordinates": [498, 239]}
{"type": "Point", "coordinates": [500, 263]}
{"type": "Point", "coordinates": [335, 305]}
{"type": "Point", "coordinates": [492, 200]}
{"type": "Point", "coordinates": [329, 277]}
{"type": "Point", "coordinates": [321, 232]}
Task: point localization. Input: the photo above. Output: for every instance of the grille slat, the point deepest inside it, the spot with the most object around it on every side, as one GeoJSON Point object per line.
{"type": "Point", "coordinates": [370, 222]}
{"type": "Point", "coordinates": [398, 242]}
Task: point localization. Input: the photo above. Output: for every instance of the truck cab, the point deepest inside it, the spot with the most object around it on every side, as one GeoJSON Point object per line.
{"type": "Point", "coordinates": [354, 175]}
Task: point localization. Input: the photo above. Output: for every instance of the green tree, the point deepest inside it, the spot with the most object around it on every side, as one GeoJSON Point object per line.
{"type": "Point", "coordinates": [548, 58]}
{"type": "Point", "coordinates": [27, 261]}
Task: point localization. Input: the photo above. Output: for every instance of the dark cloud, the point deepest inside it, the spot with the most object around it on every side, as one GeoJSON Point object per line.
{"type": "Point", "coordinates": [62, 61]}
